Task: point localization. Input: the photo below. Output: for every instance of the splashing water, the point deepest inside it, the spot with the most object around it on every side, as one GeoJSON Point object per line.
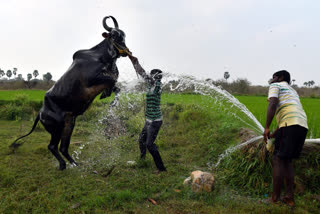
{"type": "Point", "coordinates": [231, 150]}
{"type": "Point", "coordinates": [180, 83]}
{"type": "Point", "coordinates": [183, 83]}
{"type": "Point", "coordinates": [219, 95]}
{"type": "Point", "coordinates": [130, 99]}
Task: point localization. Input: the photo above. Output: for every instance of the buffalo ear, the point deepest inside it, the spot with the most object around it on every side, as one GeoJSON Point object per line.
{"type": "Point", "coordinates": [105, 35]}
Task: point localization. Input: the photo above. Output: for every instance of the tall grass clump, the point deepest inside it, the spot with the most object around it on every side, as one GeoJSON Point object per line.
{"type": "Point", "coordinates": [250, 170]}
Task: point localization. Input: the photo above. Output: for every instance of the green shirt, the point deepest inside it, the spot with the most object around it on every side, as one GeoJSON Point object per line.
{"type": "Point", "coordinates": [153, 98]}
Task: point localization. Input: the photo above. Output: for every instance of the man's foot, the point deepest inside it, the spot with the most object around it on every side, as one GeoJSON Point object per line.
{"type": "Point", "coordinates": [160, 171]}
{"type": "Point", "coordinates": [269, 201]}
{"type": "Point", "coordinates": [62, 166]}
{"type": "Point", "coordinates": [288, 201]}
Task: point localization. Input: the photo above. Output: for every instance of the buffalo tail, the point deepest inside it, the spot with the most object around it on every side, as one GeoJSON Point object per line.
{"type": "Point", "coordinates": [15, 145]}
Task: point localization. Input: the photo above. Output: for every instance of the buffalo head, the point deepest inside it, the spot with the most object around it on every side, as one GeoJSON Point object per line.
{"type": "Point", "coordinates": [116, 36]}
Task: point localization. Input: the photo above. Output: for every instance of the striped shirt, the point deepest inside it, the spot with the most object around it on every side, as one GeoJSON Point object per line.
{"type": "Point", "coordinates": [153, 111]}
{"type": "Point", "coordinates": [153, 98]}
{"type": "Point", "coordinates": [289, 109]}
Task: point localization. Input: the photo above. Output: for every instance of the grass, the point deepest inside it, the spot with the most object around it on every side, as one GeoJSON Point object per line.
{"type": "Point", "coordinates": [14, 108]}
{"type": "Point", "coordinates": [195, 131]}
{"type": "Point", "coordinates": [31, 183]}
{"type": "Point", "coordinates": [258, 106]}
{"type": "Point", "coordinates": [34, 95]}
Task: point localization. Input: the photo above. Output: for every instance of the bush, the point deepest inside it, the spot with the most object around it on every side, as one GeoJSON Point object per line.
{"type": "Point", "coordinates": [21, 99]}
{"type": "Point", "coordinates": [250, 170]}
{"type": "Point", "coordinates": [19, 109]}
{"type": "Point", "coordinates": [15, 112]}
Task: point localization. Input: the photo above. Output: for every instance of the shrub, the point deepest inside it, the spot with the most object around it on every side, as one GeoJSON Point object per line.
{"type": "Point", "coordinates": [21, 108]}
{"type": "Point", "coordinates": [21, 99]}
{"type": "Point", "coordinates": [16, 112]}
{"type": "Point", "coordinates": [249, 170]}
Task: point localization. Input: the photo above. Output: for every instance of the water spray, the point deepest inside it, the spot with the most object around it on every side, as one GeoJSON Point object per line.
{"type": "Point", "coordinates": [220, 97]}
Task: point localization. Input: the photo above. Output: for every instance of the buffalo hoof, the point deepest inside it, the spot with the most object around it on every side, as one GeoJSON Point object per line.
{"type": "Point", "coordinates": [62, 166]}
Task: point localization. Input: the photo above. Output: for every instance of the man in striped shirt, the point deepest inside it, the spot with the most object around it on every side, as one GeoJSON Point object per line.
{"type": "Point", "coordinates": [152, 112]}
{"type": "Point", "coordinates": [289, 136]}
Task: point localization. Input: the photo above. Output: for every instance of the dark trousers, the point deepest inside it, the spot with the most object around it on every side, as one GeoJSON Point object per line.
{"type": "Point", "coordinates": [288, 145]}
{"type": "Point", "coordinates": [146, 141]}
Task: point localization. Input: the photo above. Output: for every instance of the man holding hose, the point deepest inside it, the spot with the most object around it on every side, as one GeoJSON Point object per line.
{"type": "Point", "coordinates": [289, 136]}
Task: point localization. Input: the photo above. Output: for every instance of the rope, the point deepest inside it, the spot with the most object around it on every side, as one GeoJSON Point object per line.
{"type": "Point", "coordinates": [121, 51]}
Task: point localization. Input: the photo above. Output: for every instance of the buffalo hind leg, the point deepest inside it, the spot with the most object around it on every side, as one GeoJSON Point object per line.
{"type": "Point", "coordinates": [66, 136]}
{"type": "Point", "coordinates": [53, 146]}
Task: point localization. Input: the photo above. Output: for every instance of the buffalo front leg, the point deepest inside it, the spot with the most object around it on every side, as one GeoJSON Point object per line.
{"type": "Point", "coordinates": [66, 136]}
{"type": "Point", "coordinates": [53, 146]}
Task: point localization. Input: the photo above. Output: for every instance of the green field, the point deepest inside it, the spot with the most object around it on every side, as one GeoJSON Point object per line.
{"type": "Point", "coordinates": [196, 130]}
{"type": "Point", "coordinates": [257, 105]}
{"type": "Point", "coordinates": [36, 95]}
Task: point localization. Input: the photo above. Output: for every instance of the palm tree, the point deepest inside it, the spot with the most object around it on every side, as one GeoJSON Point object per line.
{"type": "Point", "coordinates": [2, 73]}
{"type": "Point", "coordinates": [226, 75]}
{"type": "Point", "coordinates": [35, 73]}
{"type": "Point", "coordinates": [47, 77]}
{"type": "Point", "coordinates": [311, 83]}
{"type": "Point", "coordinates": [9, 73]}
{"type": "Point", "coordinates": [28, 83]}
{"type": "Point", "coordinates": [14, 72]}
{"type": "Point", "coordinates": [20, 77]}
{"type": "Point", "coordinates": [29, 77]}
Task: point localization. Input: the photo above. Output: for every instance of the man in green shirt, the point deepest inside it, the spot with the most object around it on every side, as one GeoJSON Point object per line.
{"type": "Point", "coordinates": [153, 113]}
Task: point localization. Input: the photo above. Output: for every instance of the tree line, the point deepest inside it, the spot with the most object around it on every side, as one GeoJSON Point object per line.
{"type": "Point", "coordinates": [9, 73]}
{"type": "Point", "coordinates": [240, 86]}
{"type": "Point", "coordinates": [11, 79]}
{"type": "Point", "coordinates": [309, 84]}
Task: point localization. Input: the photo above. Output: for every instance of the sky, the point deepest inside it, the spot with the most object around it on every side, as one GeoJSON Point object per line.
{"type": "Point", "coordinates": [250, 39]}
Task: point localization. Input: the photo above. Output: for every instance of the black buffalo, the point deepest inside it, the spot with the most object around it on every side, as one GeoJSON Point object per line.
{"type": "Point", "coordinates": [92, 71]}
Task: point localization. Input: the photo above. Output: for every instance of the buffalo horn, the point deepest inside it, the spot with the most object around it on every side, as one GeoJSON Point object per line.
{"type": "Point", "coordinates": [104, 23]}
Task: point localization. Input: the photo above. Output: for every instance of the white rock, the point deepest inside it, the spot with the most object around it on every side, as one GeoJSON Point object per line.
{"type": "Point", "coordinates": [202, 181]}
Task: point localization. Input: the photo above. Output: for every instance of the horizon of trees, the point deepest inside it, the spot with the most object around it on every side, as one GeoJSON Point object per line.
{"type": "Point", "coordinates": [46, 77]}
{"type": "Point", "coordinates": [309, 83]}
{"type": "Point", "coordinates": [226, 76]}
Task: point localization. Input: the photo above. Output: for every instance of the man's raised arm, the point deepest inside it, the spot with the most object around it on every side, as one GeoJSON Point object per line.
{"type": "Point", "coordinates": [138, 67]}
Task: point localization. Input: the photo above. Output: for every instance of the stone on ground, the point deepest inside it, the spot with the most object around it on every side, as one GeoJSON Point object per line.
{"type": "Point", "coordinates": [200, 181]}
